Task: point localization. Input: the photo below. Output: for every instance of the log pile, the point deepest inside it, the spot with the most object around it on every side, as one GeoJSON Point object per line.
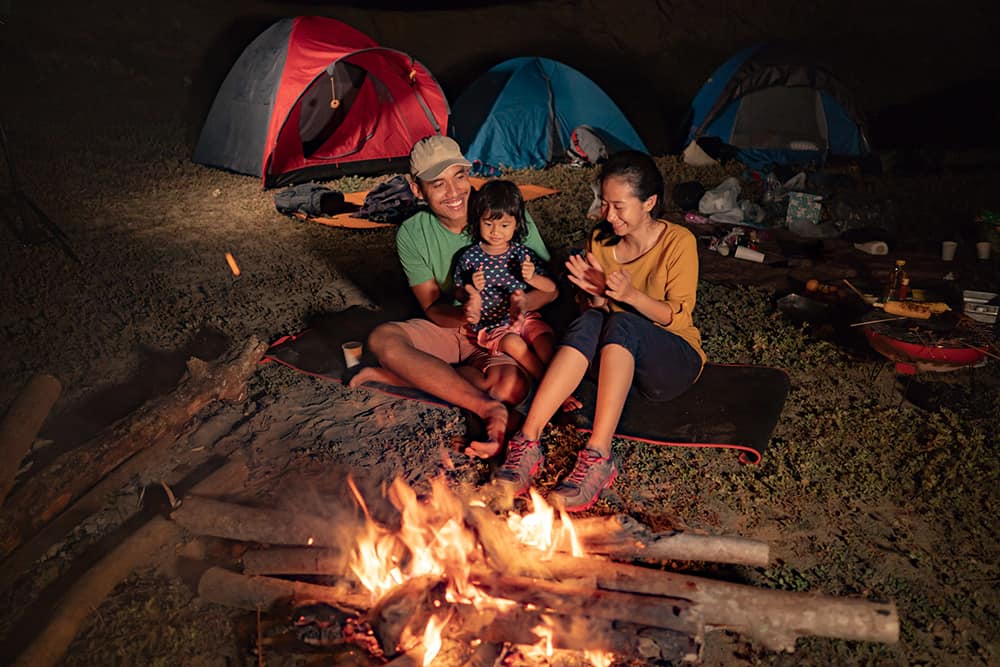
{"type": "Point", "coordinates": [591, 602]}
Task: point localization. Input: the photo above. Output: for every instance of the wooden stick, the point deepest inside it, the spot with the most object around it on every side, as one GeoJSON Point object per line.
{"type": "Point", "coordinates": [87, 592]}
{"type": "Point", "coordinates": [622, 537]}
{"type": "Point", "coordinates": [776, 618]}
{"type": "Point", "coordinates": [888, 319]}
{"type": "Point", "coordinates": [979, 349]}
{"type": "Point", "coordinates": [21, 423]}
{"type": "Point", "coordinates": [247, 592]}
{"type": "Point", "coordinates": [204, 516]}
{"type": "Point", "coordinates": [296, 560]}
{"type": "Point", "coordinates": [854, 289]}
{"type": "Point", "coordinates": [46, 494]}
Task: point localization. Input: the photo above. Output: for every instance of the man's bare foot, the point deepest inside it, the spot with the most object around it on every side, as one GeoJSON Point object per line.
{"type": "Point", "coordinates": [571, 404]}
{"type": "Point", "coordinates": [376, 374]}
{"type": "Point", "coordinates": [495, 419]}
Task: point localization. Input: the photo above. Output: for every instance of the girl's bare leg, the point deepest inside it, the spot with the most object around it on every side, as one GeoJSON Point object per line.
{"type": "Point", "coordinates": [517, 348]}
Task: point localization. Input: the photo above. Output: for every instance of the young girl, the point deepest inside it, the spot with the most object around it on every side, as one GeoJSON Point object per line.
{"type": "Point", "coordinates": [494, 269]}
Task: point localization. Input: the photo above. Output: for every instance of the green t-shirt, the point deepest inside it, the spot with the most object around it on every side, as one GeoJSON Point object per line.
{"type": "Point", "coordinates": [427, 249]}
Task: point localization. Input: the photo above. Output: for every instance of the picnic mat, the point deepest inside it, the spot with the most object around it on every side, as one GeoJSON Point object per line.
{"type": "Point", "coordinates": [347, 220]}
{"type": "Point", "coordinates": [730, 407]}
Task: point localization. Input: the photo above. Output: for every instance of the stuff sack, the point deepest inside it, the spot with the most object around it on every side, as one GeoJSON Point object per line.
{"type": "Point", "coordinates": [391, 202]}
{"type": "Point", "coordinates": [687, 195]}
{"type": "Point", "coordinates": [311, 199]}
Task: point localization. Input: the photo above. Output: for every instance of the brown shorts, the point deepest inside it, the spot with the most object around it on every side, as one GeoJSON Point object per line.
{"type": "Point", "coordinates": [451, 345]}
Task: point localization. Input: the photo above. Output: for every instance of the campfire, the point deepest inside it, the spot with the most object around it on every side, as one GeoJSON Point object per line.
{"type": "Point", "coordinates": [445, 568]}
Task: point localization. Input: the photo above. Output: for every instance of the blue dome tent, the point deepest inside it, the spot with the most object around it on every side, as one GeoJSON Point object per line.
{"type": "Point", "coordinates": [777, 107]}
{"type": "Point", "coordinates": [520, 115]}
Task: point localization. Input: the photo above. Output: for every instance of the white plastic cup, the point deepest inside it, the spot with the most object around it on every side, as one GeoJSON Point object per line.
{"type": "Point", "coordinates": [352, 353]}
{"type": "Point", "coordinates": [983, 250]}
{"type": "Point", "coordinates": [749, 254]}
{"type": "Point", "coordinates": [948, 250]}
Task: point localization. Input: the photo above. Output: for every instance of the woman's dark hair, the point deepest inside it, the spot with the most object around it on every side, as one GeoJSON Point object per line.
{"type": "Point", "coordinates": [644, 179]}
{"type": "Point", "coordinates": [493, 201]}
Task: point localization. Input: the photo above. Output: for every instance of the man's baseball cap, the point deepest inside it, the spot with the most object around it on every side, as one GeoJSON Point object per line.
{"type": "Point", "coordinates": [431, 156]}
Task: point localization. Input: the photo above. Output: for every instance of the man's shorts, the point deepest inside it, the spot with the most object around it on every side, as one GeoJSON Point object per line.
{"type": "Point", "coordinates": [451, 345]}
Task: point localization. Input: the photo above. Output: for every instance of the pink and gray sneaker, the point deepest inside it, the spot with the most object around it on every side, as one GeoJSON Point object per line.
{"type": "Point", "coordinates": [593, 473]}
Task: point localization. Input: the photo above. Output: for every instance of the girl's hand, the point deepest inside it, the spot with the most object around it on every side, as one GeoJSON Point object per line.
{"type": "Point", "coordinates": [587, 274]}
{"type": "Point", "coordinates": [479, 279]}
{"type": "Point", "coordinates": [473, 308]}
{"type": "Point", "coordinates": [619, 286]}
{"type": "Point", "coordinates": [527, 269]}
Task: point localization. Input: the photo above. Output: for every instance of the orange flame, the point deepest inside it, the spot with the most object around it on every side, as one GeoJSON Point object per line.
{"type": "Point", "coordinates": [432, 639]}
{"type": "Point", "coordinates": [537, 529]}
{"type": "Point", "coordinates": [599, 658]}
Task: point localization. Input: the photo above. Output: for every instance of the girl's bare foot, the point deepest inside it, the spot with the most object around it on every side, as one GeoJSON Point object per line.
{"type": "Point", "coordinates": [571, 404]}
{"type": "Point", "coordinates": [376, 374]}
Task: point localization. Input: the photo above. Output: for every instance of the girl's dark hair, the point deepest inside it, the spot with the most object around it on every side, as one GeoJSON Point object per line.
{"type": "Point", "coordinates": [644, 178]}
{"type": "Point", "coordinates": [493, 201]}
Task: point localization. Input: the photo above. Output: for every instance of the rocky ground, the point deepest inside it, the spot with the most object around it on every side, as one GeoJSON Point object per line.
{"type": "Point", "coordinates": [870, 487]}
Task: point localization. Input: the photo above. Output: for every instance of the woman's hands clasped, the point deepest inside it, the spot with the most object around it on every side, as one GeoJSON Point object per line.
{"type": "Point", "coordinates": [589, 275]}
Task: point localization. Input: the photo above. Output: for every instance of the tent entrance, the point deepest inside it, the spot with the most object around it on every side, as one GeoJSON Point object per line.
{"type": "Point", "coordinates": [319, 122]}
{"type": "Point", "coordinates": [781, 118]}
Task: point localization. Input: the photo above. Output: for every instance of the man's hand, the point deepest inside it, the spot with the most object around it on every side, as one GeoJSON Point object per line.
{"type": "Point", "coordinates": [473, 305]}
{"type": "Point", "coordinates": [479, 279]}
{"type": "Point", "coordinates": [619, 287]}
{"type": "Point", "coordinates": [527, 269]}
{"type": "Point", "coordinates": [587, 274]}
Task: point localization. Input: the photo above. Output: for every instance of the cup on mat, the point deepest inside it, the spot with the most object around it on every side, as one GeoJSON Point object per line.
{"type": "Point", "coordinates": [983, 250]}
{"type": "Point", "coordinates": [742, 252]}
{"type": "Point", "coordinates": [948, 250]}
{"type": "Point", "coordinates": [352, 353]}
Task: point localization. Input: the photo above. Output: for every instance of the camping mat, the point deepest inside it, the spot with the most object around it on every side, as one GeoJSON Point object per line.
{"type": "Point", "coordinates": [734, 407]}
{"type": "Point", "coordinates": [349, 221]}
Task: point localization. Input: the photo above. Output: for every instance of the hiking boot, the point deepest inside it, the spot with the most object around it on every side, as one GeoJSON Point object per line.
{"type": "Point", "coordinates": [524, 458]}
{"type": "Point", "coordinates": [581, 489]}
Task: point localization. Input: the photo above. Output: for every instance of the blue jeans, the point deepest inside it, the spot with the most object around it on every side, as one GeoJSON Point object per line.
{"type": "Point", "coordinates": [665, 365]}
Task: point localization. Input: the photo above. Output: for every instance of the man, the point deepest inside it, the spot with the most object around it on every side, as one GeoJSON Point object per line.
{"type": "Point", "coordinates": [420, 352]}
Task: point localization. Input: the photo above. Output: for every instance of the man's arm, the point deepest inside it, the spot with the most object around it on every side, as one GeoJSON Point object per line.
{"type": "Point", "coordinates": [438, 310]}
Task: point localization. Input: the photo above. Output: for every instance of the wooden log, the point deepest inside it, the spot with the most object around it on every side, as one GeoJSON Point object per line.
{"type": "Point", "coordinates": [622, 537]}
{"type": "Point", "coordinates": [205, 516]}
{"type": "Point", "coordinates": [776, 618]}
{"type": "Point", "coordinates": [21, 423]}
{"type": "Point", "coordinates": [87, 592]}
{"type": "Point", "coordinates": [251, 592]}
{"type": "Point", "coordinates": [296, 560]}
{"type": "Point", "coordinates": [47, 493]}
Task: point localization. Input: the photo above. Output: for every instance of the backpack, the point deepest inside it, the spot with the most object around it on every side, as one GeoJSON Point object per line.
{"type": "Point", "coordinates": [311, 199]}
{"type": "Point", "coordinates": [586, 147]}
{"type": "Point", "coordinates": [391, 201]}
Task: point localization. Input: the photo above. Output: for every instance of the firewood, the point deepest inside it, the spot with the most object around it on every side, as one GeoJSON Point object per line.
{"type": "Point", "coordinates": [87, 593]}
{"type": "Point", "coordinates": [623, 537]}
{"type": "Point", "coordinates": [205, 516]}
{"type": "Point", "coordinates": [296, 560]}
{"type": "Point", "coordinates": [776, 618]}
{"type": "Point", "coordinates": [47, 493]}
{"type": "Point", "coordinates": [21, 423]}
{"type": "Point", "coordinates": [249, 592]}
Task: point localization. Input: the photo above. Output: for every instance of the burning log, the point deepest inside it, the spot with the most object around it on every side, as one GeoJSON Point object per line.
{"type": "Point", "coordinates": [776, 618]}
{"type": "Point", "coordinates": [204, 516]}
{"type": "Point", "coordinates": [251, 592]}
{"type": "Point", "coordinates": [44, 495]}
{"type": "Point", "coordinates": [622, 537]}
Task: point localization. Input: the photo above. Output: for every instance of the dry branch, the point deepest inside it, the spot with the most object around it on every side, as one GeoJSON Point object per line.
{"type": "Point", "coordinates": [296, 560]}
{"type": "Point", "coordinates": [89, 591]}
{"type": "Point", "coordinates": [21, 423]}
{"type": "Point", "coordinates": [46, 494]}
{"type": "Point", "coordinates": [776, 618]}
{"type": "Point", "coordinates": [623, 537]}
{"type": "Point", "coordinates": [204, 516]}
{"type": "Point", "coordinates": [248, 592]}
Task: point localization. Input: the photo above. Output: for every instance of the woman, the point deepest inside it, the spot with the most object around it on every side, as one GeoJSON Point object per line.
{"type": "Point", "coordinates": [640, 275]}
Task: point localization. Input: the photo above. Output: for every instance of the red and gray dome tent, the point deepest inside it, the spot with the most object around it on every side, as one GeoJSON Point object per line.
{"type": "Point", "coordinates": [312, 97]}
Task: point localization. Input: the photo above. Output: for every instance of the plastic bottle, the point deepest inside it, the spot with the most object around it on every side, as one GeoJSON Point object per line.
{"type": "Point", "coordinates": [904, 287]}
{"type": "Point", "coordinates": [893, 284]}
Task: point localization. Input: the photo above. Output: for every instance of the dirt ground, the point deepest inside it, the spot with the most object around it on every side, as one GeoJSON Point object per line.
{"type": "Point", "coordinates": [872, 486]}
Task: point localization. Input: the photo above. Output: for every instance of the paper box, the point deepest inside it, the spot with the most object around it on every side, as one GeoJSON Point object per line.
{"type": "Point", "coordinates": [803, 207]}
